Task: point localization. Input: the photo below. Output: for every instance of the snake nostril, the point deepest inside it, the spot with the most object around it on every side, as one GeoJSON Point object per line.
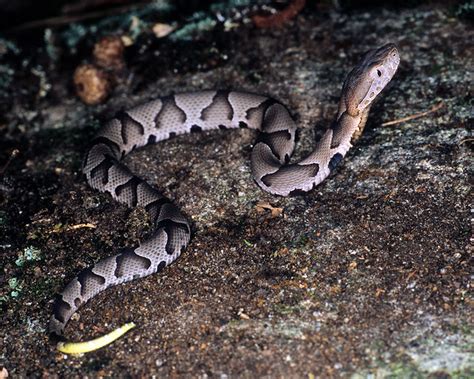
{"type": "Point", "coordinates": [379, 73]}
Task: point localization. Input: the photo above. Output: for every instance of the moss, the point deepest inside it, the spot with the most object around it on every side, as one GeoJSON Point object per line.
{"type": "Point", "coordinates": [134, 22]}
{"type": "Point", "coordinates": [29, 254]}
{"type": "Point", "coordinates": [285, 309]}
{"type": "Point", "coordinates": [8, 46]}
{"type": "Point", "coordinates": [446, 352]}
{"type": "Point", "coordinates": [15, 286]}
{"type": "Point", "coordinates": [465, 10]}
{"type": "Point", "coordinates": [391, 371]}
{"type": "Point", "coordinates": [190, 30]}
{"type": "Point", "coordinates": [6, 76]}
{"type": "Point", "coordinates": [3, 219]}
{"type": "Point", "coordinates": [463, 374]}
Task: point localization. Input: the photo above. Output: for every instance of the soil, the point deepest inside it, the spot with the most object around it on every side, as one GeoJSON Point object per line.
{"type": "Point", "coordinates": [368, 274]}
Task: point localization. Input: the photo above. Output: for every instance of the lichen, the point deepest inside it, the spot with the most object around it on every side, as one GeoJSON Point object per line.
{"type": "Point", "coordinates": [29, 254]}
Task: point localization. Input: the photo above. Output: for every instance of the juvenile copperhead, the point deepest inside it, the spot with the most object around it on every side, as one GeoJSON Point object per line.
{"type": "Point", "coordinates": [166, 117]}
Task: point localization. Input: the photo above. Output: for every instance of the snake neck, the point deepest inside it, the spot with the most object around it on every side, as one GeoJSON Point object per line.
{"type": "Point", "coordinates": [353, 118]}
{"type": "Point", "coordinates": [361, 125]}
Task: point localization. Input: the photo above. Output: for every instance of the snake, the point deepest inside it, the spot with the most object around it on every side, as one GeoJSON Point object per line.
{"type": "Point", "coordinates": [176, 114]}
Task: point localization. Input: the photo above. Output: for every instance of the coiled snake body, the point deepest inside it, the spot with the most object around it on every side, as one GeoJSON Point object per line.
{"type": "Point", "coordinates": [163, 118]}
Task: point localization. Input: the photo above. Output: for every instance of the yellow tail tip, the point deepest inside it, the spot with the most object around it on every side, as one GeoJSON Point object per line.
{"type": "Point", "coordinates": [95, 344]}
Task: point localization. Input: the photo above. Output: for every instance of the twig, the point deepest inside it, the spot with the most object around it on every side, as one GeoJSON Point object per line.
{"type": "Point", "coordinates": [79, 226]}
{"type": "Point", "coordinates": [63, 20]}
{"type": "Point", "coordinates": [468, 139]}
{"type": "Point", "coordinates": [84, 5]}
{"type": "Point", "coordinates": [13, 154]}
{"type": "Point", "coordinates": [416, 115]}
{"type": "Point", "coordinates": [73, 227]}
{"type": "Point", "coordinates": [278, 19]}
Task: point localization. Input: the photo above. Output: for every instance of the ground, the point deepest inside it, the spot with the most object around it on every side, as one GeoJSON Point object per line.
{"type": "Point", "coordinates": [368, 274]}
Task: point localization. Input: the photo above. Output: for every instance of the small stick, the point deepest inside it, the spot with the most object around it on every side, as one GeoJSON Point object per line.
{"type": "Point", "coordinates": [81, 5]}
{"type": "Point", "coordinates": [68, 19]}
{"type": "Point", "coordinates": [74, 227]}
{"type": "Point", "coordinates": [416, 115]}
{"type": "Point", "coordinates": [13, 154]}
{"type": "Point", "coordinates": [79, 226]}
{"type": "Point", "coordinates": [468, 139]}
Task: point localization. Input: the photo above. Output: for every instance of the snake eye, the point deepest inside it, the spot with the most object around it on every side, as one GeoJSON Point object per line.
{"type": "Point", "coordinates": [379, 73]}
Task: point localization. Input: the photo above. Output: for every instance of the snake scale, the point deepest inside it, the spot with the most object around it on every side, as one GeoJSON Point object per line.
{"type": "Point", "coordinates": [166, 117]}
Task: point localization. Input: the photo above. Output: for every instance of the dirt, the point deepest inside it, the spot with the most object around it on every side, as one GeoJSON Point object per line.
{"type": "Point", "coordinates": [369, 274]}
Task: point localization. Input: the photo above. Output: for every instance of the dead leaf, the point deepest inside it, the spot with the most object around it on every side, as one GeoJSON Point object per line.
{"type": "Point", "coordinates": [3, 373]}
{"type": "Point", "coordinates": [265, 205]}
{"type": "Point", "coordinates": [336, 289]}
{"type": "Point", "coordinates": [126, 40]}
{"type": "Point", "coordinates": [379, 292]}
{"type": "Point", "coordinates": [162, 30]}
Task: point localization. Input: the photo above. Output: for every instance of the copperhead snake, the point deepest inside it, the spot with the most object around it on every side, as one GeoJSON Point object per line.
{"type": "Point", "coordinates": [160, 119]}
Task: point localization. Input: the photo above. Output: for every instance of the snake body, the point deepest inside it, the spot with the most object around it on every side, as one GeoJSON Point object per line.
{"type": "Point", "coordinates": [166, 117]}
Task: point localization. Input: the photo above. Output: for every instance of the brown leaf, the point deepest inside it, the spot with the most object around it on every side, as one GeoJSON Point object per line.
{"type": "Point", "coordinates": [352, 265]}
{"type": "Point", "coordinates": [264, 205]}
{"type": "Point", "coordinates": [379, 292]}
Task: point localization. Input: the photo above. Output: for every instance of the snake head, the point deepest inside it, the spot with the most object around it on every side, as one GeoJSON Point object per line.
{"type": "Point", "coordinates": [369, 78]}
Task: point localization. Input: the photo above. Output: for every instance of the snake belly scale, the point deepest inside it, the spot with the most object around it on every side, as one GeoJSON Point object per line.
{"type": "Point", "coordinates": [160, 119]}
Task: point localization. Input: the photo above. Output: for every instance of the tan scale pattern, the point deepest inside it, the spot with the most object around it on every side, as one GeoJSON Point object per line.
{"type": "Point", "coordinates": [171, 212]}
{"type": "Point", "coordinates": [192, 104]}
{"type": "Point", "coordinates": [146, 194]}
{"type": "Point", "coordinates": [218, 113]}
{"type": "Point", "coordinates": [241, 103]}
{"type": "Point", "coordinates": [118, 175]}
{"type": "Point", "coordinates": [133, 134]}
{"type": "Point", "coordinates": [171, 119]}
{"type": "Point", "coordinates": [146, 114]}
{"type": "Point", "coordinates": [95, 156]}
{"type": "Point", "coordinates": [112, 131]}
{"type": "Point", "coordinates": [106, 268]}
